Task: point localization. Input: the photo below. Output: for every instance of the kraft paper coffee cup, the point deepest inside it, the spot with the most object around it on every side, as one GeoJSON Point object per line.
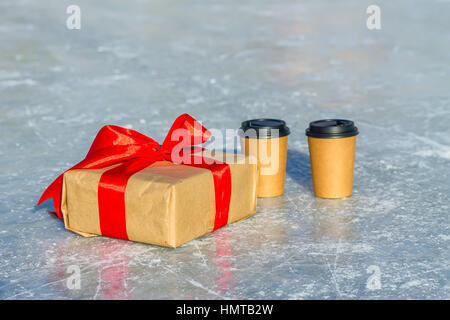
{"type": "Point", "coordinates": [266, 140]}
{"type": "Point", "coordinates": [332, 153]}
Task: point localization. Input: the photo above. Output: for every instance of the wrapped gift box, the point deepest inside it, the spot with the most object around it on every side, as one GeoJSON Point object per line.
{"type": "Point", "coordinates": [166, 204]}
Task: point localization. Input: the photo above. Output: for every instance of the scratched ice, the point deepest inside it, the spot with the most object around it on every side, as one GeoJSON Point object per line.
{"type": "Point", "coordinates": [142, 63]}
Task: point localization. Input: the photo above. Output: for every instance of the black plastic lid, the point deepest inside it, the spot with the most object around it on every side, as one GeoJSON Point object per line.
{"type": "Point", "coordinates": [331, 128]}
{"type": "Point", "coordinates": [264, 128]}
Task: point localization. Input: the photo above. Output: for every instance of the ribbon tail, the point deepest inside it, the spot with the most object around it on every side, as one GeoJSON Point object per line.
{"type": "Point", "coordinates": [54, 191]}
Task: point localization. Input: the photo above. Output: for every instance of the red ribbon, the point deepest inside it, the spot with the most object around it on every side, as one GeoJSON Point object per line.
{"type": "Point", "coordinates": [132, 152]}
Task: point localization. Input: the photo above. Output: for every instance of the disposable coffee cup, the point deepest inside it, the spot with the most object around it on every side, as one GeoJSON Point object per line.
{"type": "Point", "coordinates": [332, 153]}
{"type": "Point", "coordinates": [266, 141]}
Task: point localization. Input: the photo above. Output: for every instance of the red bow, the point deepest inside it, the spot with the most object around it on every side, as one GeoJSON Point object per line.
{"type": "Point", "coordinates": [133, 152]}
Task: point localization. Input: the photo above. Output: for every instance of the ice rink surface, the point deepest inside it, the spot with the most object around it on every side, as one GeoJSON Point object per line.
{"type": "Point", "coordinates": [142, 63]}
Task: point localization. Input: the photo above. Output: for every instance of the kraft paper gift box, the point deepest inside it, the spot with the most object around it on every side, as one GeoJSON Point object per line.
{"type": "Point", "coordinates": [167, 204]}
{"type": "Point", "coordinates": [131, 187]}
